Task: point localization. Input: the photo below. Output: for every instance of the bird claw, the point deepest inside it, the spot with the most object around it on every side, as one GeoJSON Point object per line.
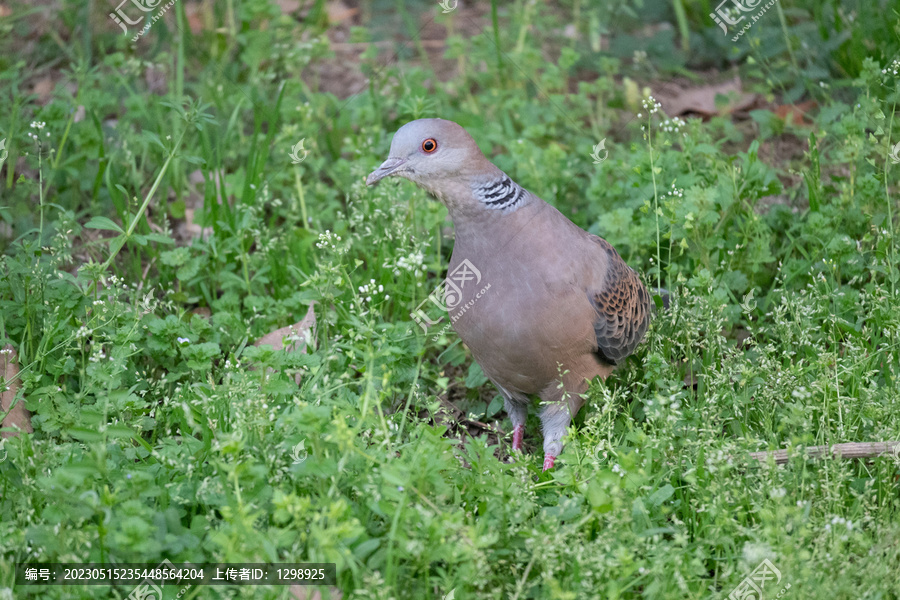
{"type": "Point", "coordinates": [548, 461]}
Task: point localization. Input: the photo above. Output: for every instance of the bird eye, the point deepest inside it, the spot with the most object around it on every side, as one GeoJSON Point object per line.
{"type": "Point", "coordinates": [429, 145]}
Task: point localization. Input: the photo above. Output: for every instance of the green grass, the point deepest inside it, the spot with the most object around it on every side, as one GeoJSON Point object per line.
{"type": "Point", "coordinates": [162, 432]}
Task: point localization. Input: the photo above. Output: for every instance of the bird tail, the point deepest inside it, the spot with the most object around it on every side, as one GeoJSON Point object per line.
{"type": "Point", "coordinates": [663, 294]}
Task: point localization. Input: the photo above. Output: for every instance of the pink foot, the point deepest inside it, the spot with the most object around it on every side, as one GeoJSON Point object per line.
{"type": "Point", "coordinates": [518, 434]}
{"type": "Point", "coordinates": [548, 461]}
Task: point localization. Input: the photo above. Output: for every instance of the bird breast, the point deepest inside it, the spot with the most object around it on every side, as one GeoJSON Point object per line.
{"type": "Point", "coordinates": [521, 309]}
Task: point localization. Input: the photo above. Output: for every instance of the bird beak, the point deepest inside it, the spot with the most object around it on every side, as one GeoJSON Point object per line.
{"type": "Point", "coordinates": [388, 167]}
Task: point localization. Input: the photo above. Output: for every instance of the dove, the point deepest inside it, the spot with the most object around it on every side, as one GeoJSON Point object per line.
{"type": "Point", "coordinates": [561, 307]}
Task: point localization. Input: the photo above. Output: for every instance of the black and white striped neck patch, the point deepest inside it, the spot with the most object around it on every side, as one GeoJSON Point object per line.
{"type": "Point", "coordinates": [502, 193]}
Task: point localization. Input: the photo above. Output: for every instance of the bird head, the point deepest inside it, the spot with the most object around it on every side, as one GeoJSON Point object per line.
{"type": "Point", "coordinates": [427, 151]}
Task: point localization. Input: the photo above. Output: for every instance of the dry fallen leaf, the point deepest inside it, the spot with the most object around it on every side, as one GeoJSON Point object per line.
{"type": "Point", "coordinates": [18, 416]}
{"type": "Point", "coordinates": [288, 6]}
{"type": "Point", "coordinates": [191, 230]}
{"type": "Point", "coordinates": [302, 330]}
{"type": "Point", "coordinates": [43, 89]}
{"type": "Point", "coordinates": [796, 113]}
{"type": "Point", "coordinates": [702, 100]}
{"type": "Point", "coordinates": [338, 11]}
{"type": "Point", "coordinates": [293, 337]}
{"type": "Point", "coordinates": [196, 16]}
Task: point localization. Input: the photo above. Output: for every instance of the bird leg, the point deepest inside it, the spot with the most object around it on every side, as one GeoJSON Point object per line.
{"type": "Point", "coordinates": [555, 419]}
{"type": "Point", "coordinates": [562, 400]}
{"type": "Point", "coordinates": [518, 434]}
{"type": "Point", "coordinates": [517, 412]}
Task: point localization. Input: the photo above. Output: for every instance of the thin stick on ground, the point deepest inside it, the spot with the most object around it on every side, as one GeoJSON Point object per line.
{"type": "Point", "coordinates": [848, 450]}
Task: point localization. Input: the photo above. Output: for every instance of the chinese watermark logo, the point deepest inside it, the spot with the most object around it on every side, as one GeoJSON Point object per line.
{"type": "Point", "coordinates": [299, 453]}
{"type": "Point", "coordinates": [754, 586]}
{"type": "Point", "coordinates": [894, 155]}
{"type": "Point", "coordinates": [729, 12]}
{"type": "Point", "coordinates": [296, 151]}
{"type": "Point", "coordinates": [596, 153]}
{"type": "Point", "coordinates": [148, 590]}
{"type": "Point", "coordinates": [725, 12]}
{"type": "Point", "coordinates": [448, 295]}
{"type": "Point", "coordinates": [144, 6]}
{"type": "Point", "coordinates": [447, 7]}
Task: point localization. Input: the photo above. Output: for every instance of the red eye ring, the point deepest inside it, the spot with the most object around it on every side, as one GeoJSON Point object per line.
{"type": "Point", "coordinates": [429, 145]}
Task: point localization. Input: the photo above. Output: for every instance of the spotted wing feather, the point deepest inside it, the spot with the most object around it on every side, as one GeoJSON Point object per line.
{"type": "Point", "coordinates": [622, 308]}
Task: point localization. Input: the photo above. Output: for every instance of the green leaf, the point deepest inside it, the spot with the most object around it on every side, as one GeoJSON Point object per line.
{"type": "Point", "coordinates": [597, 497]}
{"type": "Point", "coordinates": [188, 270]}
{"type": "Point", "coordinates": [475, 377]}
{"type": "Point", "coordinates": [194, 160]}
{"type": "Point", "coordinates": [85, 435]}
{"type": "Point", "coordinates": [366, 548]}
{"type": "Point", "coordinates": [176, 257]}
{"type": "Point", "coordinates": [199, 356]}
{"type": "Point", "coordinates": [152, 138]}
{"type": "Point", "coordinates": [494, 407]}
{"type": "Point", "coordinates": [639, 517]}
{"type": "Point", "coordinates": [656, 531]}
{"type": "Point", "coordinates": [103, 223]}
{"type": "Point", "coordinates": [661, 495]}
{"type": "Point", "coordinates": [116, 244]}
{"type": "Point", "coordinates": [812, 176]}
{"type": "Point", "coordinates": [119, 431]}
{"type": "Point", "coordinates": [159, 238]}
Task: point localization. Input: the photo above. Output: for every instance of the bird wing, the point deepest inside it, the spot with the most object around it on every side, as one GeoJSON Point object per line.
{"type": "Point", "coordinates": [622, 307]}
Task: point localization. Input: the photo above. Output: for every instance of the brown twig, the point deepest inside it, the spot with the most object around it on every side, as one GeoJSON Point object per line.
{"type": "Point", "coordinates": [484, 426]}
{"type": "Point", "coordinates": [848, 450]}
{"type": "Point", "coordinates": [382, 44]}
